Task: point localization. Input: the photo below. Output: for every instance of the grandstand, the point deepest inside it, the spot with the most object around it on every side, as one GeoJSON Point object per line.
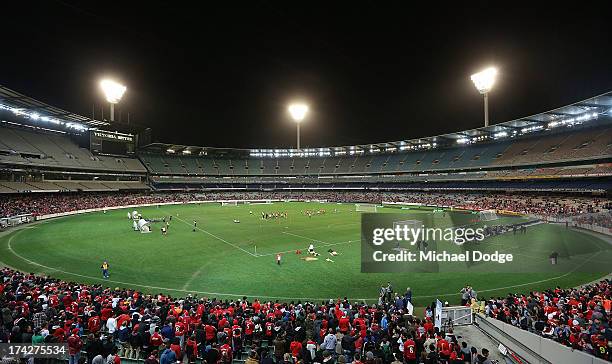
{"type": "Point", "coordinates": [54, 163]}
{"type": "Point", "coordinates": [35, 149]}
{"type": "Point", "coordinates": [568, 149]}
{"type": "Point", "coordinates": [582, 145]}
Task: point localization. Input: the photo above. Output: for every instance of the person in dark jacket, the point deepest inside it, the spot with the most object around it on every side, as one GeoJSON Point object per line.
{"type": "Point", "coordinates": [212, 354]}
{"type": "Point", "coordinates": [93, 347]}
{"type": "Point", "coordinates": [135, 344]}
{"type": "Point", "coordinates": [168, 356]}
{"type": "Point", "coordinates": [348, 344]}
{"type": "Point", "coordinates": [152, 359]}
{"type": "Point", "coordinates": [279, 348]}
{"type": "Point", "coordinates": [107, 345]}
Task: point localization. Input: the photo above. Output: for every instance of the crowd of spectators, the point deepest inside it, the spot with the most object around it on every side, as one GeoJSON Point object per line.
{"type": "Point", "coordinates": [541, 205]}
{"type": "Point", "coordinates": [603, 219]}
{"type": "Point", "coordinates": [104, 322]}
{"type": "Point", "coordinates": [576, 317]}
{"type": "Point", "coordinates": [102, 325]}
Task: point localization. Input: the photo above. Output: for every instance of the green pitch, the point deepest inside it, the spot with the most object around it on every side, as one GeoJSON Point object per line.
{"type": "Point", "coordinates": [226, 259]}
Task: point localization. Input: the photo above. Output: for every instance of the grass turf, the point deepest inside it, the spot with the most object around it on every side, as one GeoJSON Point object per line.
{"type": "Point", "coordinates": [225, 259]}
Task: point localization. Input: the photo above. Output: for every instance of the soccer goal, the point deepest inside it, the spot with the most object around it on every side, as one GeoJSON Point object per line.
{"type": "Point", "coordinates": [229, 203]}
{"type": "Point", "coordinates": [410, 225]}
{"type": "Point", "coordinates": [487, 215]}
{"type": "Point", "coordinates": [365, 207]}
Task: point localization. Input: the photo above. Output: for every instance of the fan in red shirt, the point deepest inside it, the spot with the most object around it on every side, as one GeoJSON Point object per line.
{"type": "Point", "coordinates": [269, 330]}
{"type": "Point", "coordinates": [191, 349]}
{"type": "Point", "coordinates": [74, 343]}
{"type": "Point", "coordinates": [211, 333]}
{"type": "Point", "coordinates": [179, 332]}
{"type": "Point", "coordinates": [457, 356]}
{"type": "Point", "coordinates": [428, 326]}
{"type": "Point", "coordinates": [226, 354]}
{"type": "Point", "coordinates": [156, 339]}
{"type": "Point", "coordinates": [256, 306]}
{"type": "Point", "coordinates": [93, 324]}
{"type": "Point", "coordinates": [123, 318]}
{"type": "Point", "coordinates": [54, 300]}
{"type": "Point", "coordinates": [106, 313]}
{"type": "Point", "coordinates": [59, 333]}
{"type": "Point", "coordinates": [249, 328]}
{"type": "Point", "coordinates": [410, 351]}
{"type": "Point", "coordinates": [344, 324]}
{"type": "Point", "coordinates": [236, 337]}
{"type": "Point", "coordinates": [177, 350]}
{"type": "Point", "coordinates": [443, 347]}
{"type": "Point", "coordinates": [295, 347]}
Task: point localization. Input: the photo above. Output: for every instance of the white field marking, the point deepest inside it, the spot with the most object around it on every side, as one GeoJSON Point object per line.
{"type": "Point", "coordinates": [219, 238]}
{"type": "Point", "coordinates": [262, 296]}
{"type": "Point", "coordinates": [323, 245]}
{"type": "Point", "coordinates": [193, 276]}
{"type": "Point", "coordinates": [10, 248]}
{"type": "Point", "coordinates": [275, 297]}
{"type": "Point", "coordinates": [146, 285]}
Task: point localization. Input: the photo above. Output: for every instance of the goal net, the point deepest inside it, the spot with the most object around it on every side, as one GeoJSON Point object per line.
{"type": "Point", "coordinates": [229, 203]}
{"type": "Point", "coordinates": [365, 207]}
{"type": "Point", "coordinates": [487, 215]}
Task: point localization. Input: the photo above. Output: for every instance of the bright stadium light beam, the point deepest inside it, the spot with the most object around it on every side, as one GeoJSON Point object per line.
{"type": "Point", "coordinates": [484, 81]}
{"type": "Point", "coordinates": [114, 92]}
{"type": "Point", "coordinates": [298, 112]}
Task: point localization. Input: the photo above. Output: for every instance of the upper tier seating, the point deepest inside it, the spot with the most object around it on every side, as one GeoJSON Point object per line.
{"type": "Point", "coordinates": [572, 145]}
{"type": "Point", "coordinates": [41, 149]}
{"type": "Point", "coordinates": [56, 186]}
{"type": "Point", "coordinates": [584, 144]}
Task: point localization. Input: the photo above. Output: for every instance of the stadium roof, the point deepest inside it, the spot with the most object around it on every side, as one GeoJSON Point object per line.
{"type": "Point", "coordinates": [15, 100]}
{"type": "Point", "coordinates": [567, 116]}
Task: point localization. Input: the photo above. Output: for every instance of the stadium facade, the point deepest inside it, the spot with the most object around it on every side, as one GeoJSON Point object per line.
{"type": "Point", "coordinates": [47, 149]}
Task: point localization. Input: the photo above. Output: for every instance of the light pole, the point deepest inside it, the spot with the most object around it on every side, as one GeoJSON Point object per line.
{"type": "Point", "coordinates": [298, 112]}
{"type": "Point", "coordinates": [113, 92]}
{"type": "Point", "coordinates": [484, 81]}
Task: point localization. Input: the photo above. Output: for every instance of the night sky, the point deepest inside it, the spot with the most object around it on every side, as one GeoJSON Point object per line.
{"type": "Point", "coordinates": [372, 72]}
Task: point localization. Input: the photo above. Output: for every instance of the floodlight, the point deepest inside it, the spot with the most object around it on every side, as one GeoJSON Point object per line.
{"type": "Point", "coordinates": [112, 90]}
{"type": "Point", "coordinates": [484, 80]}
{"type": "Point", "coordinates": [298, 112]}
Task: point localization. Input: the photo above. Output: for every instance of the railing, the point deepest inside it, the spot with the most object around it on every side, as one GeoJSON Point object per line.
{"type": "Point", "coordinates": [534, 349]}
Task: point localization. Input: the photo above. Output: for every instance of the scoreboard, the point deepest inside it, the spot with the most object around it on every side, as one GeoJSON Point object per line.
{"type": "Point", "coordinates": [108, 142]}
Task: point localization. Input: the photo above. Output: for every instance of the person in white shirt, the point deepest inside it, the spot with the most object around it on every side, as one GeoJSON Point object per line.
{"type": "Point", "coordinates": [111, 325]}
{"type": "Point", "coordinates": [312, 251]}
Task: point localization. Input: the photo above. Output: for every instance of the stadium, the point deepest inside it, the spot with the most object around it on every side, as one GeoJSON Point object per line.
{"type": "Point", "coordinates": [126, 248]}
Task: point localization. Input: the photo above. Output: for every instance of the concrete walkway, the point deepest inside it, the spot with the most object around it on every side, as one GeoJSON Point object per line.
{"type": "Point", "coordinates": [474, 337]}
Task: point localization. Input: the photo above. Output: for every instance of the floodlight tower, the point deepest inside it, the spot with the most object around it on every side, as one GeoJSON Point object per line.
{"type": "Point", "coordinates": [113, 92]}
{"type": "Point", "coordinates": [484, 81]}
{"type": "Point", "coordinates": [298, 112]}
